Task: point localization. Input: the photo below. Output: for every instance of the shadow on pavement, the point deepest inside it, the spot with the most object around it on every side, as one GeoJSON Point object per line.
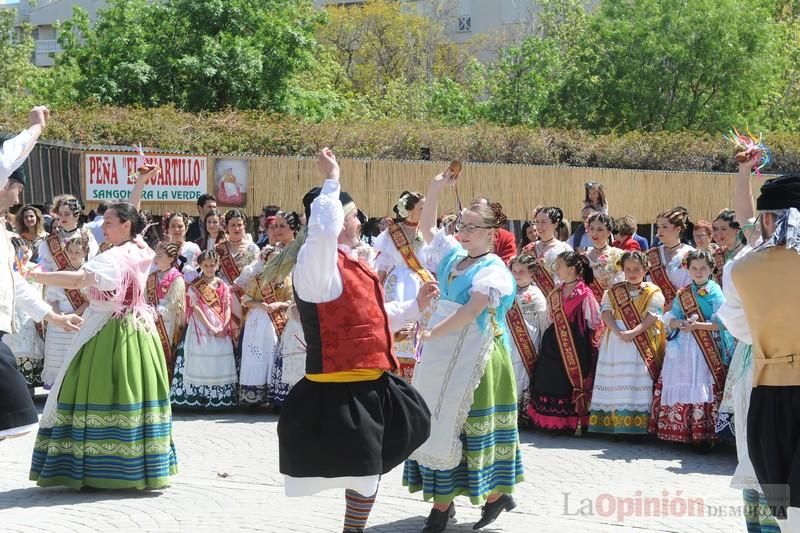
{"type": "Point", "coordinates": [32, 497]}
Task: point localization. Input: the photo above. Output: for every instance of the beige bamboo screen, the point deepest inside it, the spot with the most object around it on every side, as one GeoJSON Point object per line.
{"type": "Point", "coordinates": [376, 185]}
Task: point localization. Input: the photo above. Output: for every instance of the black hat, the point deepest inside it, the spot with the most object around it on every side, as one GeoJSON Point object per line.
{"type": "Point", "coordinates": [316, 191]}
{"type": "Point", "coordinates": [19, 176]}
{"type": "Point", "coordinates": [780, 193]}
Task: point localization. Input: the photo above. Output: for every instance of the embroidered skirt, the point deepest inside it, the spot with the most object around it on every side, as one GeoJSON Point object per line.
{"type": "Point", "coordinates": [492, 460]}
{"type": "Point", "coordinates": [113, 427]}
{"type": "Point", "coordinates": [217, 388]}
{"type": "Point", "coordinates": [551, 404]}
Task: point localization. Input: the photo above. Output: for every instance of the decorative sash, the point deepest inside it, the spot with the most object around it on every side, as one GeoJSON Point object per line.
{"type": "Point", "coordinates": [522, 337]}
{"type": "Point", "coordinates": [407, 252]}
{"type": "Point", "coordinates": [623, 303]}
{"type": "Point", "coordinates": [719, 264]}
{"type": "Point", "coordinates": [569, 355]}
{"type": "Point", "coordinates": [151, 293]}
{"type": "Point", "coordinates": [597, 289]}
{"type": "Point", "coordinates": [268, 296]}
{"type": "Point", "coordinates": [543, 278]}
{"type": "Point", "coordinates": [659, 275]}
{"type": "Point", "coordinates": [228, 265]}
{"type": "Point", "coordinates": [704, 338]}
{"type": "Point", "coordinates": [446, 377]}
{"type": "Point", "coordinates": [208, 294]}
{"type": "Point", "coordinates": [59, 254]}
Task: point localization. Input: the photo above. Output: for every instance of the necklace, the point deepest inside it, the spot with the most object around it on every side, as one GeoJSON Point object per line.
{"type": "Point", "coordinates": [566, 283]}
{"type": "Point", "coordinates": [547, 241]}
{"type": "Point", "coordinates": [670, 248]}
{"type": "Point", "coordinates": [701, 289]}
{"type": "Point", "coordinates": [479, 256]}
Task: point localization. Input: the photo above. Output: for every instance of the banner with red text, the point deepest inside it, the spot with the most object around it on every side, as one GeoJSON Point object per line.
{"type": "Point", "coordinates": [183, 178]}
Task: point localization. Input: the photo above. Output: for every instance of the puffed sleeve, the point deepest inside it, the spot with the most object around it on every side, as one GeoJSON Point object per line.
{"type": "Point", "coordinates": [495, 281]}
{"type": "Point", "coordinates": [441, 245]}
{"type": "Point", "coordinates": [105, 271]}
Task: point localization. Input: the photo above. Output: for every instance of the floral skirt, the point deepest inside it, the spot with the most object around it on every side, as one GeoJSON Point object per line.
{"type": "Point", "coordinates": [684, 422]}
{"type": "Point", "coordinates": [223, 396]}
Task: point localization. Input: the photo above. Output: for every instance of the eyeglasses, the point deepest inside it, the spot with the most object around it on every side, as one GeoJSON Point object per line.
{"type": "Point", "coordinates": [469, 228]}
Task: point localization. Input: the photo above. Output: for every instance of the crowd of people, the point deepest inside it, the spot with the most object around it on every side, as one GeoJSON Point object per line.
{"type": "Point", "coordinates": [431, 344]}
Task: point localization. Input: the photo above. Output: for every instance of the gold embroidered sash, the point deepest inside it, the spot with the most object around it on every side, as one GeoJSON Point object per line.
{"type": "Point", "coordinates": [622, 302]}
{"type": "Point", "coordinates": [522, 338]}
{"type": "Point", "coordinates": [659, 275]}
{"type": "Point", "coordinates": [704, 338]}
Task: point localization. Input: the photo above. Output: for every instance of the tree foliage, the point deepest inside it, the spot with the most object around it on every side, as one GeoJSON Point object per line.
{"type": "Point", "coordinates": [16, 48]}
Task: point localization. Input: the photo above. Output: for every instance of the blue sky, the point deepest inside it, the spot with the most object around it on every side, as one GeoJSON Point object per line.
{"type": "Point", "coordinates": [7, 2]}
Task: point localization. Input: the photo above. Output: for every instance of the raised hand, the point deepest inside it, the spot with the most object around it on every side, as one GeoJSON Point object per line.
{"type": "Point", "coordinates": [327, 164]}
{"type": "Point", "coordinates": [39, 115]}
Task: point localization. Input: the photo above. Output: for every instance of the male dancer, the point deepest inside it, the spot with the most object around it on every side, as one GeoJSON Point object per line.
{"type": "Point", "coordinates": [17, 413]}
{"type": "Point", "coordinates": [349, 420]}
{"type": "Point", "coordinates": [760, 310]}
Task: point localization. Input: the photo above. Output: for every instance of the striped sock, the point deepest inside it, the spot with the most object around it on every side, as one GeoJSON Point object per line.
{"type": "Point", "coordinates": [358, 509]}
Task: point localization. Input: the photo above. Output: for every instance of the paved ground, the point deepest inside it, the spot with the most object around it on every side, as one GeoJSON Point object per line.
{"type": "Point", "coordinates": [229, 480]}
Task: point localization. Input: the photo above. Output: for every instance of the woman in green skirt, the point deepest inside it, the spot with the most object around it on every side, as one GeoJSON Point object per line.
{"type": "Point", "coordinates": [465, 372]}
{"type": "Point", "coordinates": [107, 422]}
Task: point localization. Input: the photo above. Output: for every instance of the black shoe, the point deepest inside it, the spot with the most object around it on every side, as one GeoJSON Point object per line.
{"type": "Point", "coordinates": [491, 511]}
{"type": "Point", "coordinates": [437, 520]}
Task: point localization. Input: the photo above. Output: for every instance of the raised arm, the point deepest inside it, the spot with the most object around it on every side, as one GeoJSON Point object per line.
{"type": "Point", "coordinates": [743, 202]}
{"type": "Point", "coordinates": [16, 149]}
{"type": "Point", "coordinates": [429, 212]}
{"type": "Point", "coordinates": [315, 273]}
{"type": "Point", "coordinates": [142, 177]}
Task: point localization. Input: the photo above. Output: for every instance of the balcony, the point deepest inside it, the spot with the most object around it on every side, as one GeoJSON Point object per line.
{"type": "Point", "coordinates": [45, 49]}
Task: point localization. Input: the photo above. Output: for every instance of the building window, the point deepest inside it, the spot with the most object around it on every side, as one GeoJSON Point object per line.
{"type": "Point", "coordinates": [464, 23]}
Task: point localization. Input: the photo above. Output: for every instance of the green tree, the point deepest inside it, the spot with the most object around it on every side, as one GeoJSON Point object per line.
{"type": "Point", "coordinates": [196, 54]}
{"type": "Point", "coordinates": [672, 64]}
{"type": "Point", "coordinates": [523, 81]}
{"type": "Point", "coordinates": [16, 48]}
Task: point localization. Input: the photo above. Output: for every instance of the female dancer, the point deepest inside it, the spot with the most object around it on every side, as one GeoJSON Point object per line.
{"type": "Point", "coordinates": [666, 260]}
{"type": "Point", "coordinates": [205, 370]}
{"type": "Point", "coordinates": [177, 224]}
{"type": "Point", "coordinates": [688, 392]}
{"type": "Point", "coordinates": [527, 320]}
{"type": "Point", "coordinates": [57, 341]}
{"type": "Point", "coordinates": [631, 352]}
{"type": "Point", "coordinates": [603, 258]}
{"type": "Point", "coordinates": [475, 410]}
{"type": "Point", "coordinates": [114, 375]}
{"type": "Point", "coordinates": [25, 343]}
{"type": "Point", "coordinates": [166, 293]}
{"type": "Point", "coordinates": [30, 226]}
{"type": "Point", "coordinates": [549, 220]}
{"type": "Point", "coordinates": [399, 266]}
{"type": "Point", "coordinates": [562, 378]}
{"type": "Point", "coordinates": [211, 233]}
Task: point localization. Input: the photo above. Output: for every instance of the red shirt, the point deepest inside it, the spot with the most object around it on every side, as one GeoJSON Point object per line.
{"type": "Point", "coordinates": [505, 245]}
{"type": "Point", "coordinates": [629, 244]}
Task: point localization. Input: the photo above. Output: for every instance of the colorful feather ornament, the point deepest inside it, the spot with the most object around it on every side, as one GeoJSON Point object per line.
{"type": "Point", "coordinates": [749, 146]}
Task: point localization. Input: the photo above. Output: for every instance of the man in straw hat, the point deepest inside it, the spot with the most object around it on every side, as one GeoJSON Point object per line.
{"type": "Point", "coordinates": [760, 310]}
{"type": "Point", "coordinates": [349, 420]}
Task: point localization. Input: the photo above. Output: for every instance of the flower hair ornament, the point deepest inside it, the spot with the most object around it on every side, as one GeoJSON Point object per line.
{"type": "Point", "coordinates": [402, 205]}
{"type": "Point", "coordinates": [165, 221]}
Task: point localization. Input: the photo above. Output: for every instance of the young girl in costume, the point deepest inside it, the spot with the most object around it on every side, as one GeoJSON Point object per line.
{"type": "Point", "coordinates": [692, 380]}
{"type": "Point", "coordinates": [205, 370]}
{"type": "Point", "coordinates": [25, 343]}
{"type": "Point", "coordinates": [166, 293]}
{"type": "Point", "coordinates": [631, 351]}
{"type": "Point", "coordinates": [603, 258]}
{"type": "Point", "coordinates": [562, 378]}
{"type": "Point", "coordinates": [57, 340]}
{"type": "Point", "coordinates": [530, 311]}
{"type": "Point", "coordinates": [595, 196]}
